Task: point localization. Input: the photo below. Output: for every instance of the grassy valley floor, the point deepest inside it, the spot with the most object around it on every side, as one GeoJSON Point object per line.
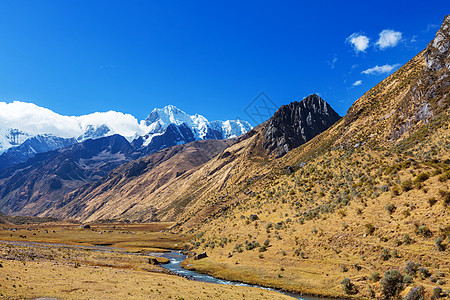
{"type": "Point", "coordinates": [119, 271]}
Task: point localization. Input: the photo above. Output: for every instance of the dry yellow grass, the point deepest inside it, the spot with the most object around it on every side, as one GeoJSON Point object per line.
{"type": "Point", "coordinates": [319, 235]}
{"type": "Point", "coordinates": [24, 280]}
{"type": "Point", "coordinates": [64, 272]}
{"type": "Point", "coordinates": [133, 237]}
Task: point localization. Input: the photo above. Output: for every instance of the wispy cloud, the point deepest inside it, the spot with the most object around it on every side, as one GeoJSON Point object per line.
{"type": "Point", "coordinates": [431, 27]}
{"type": "Point", "coordinates": [359, 41]}
{"type": "Point", "coordinates": [356, 83]}
{"type": "Point", "coordinates": [333, 62]}
{"type": "Point", "coordinates": [377, 70]}
{"type": "Point", "coordinates": [388, 38]}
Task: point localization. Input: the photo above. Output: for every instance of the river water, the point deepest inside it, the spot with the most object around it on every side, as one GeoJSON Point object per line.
{"type": "Point", "coordinates": [176, 257]}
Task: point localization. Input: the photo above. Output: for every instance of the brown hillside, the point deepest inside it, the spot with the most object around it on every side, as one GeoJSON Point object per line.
{"type": "Point", "coordinates": [369, 195]}
{"type": "Point", "coordinates": [124, 192]}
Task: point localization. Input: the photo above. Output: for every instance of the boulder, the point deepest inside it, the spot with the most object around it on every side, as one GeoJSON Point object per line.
{"type": "Point", "coordinates": [200, 256]}
{"type": "Point", "coordinates": [153, 261]}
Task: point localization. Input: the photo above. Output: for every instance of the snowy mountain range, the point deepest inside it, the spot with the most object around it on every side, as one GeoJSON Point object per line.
{"type": "Point", "coordinates": [27, 129]}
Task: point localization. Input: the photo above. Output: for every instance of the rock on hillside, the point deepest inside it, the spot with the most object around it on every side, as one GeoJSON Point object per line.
{"type": "Point", "coordinates": [296, 123]}
{"type": "Point", "coordinates": [437, 55]}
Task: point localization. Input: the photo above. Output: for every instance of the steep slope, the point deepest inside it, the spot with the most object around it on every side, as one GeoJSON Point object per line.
{"type": "Point", "coordinates": [138, 190]}
{"type": "Point", "coordinates": [295, 124]}
{"type": "Point", "coordinates": [31, 187]}
{"type": "Point", "coordinates": [368, 195]}
{"type": "Point", "coordinates": [186, 197]}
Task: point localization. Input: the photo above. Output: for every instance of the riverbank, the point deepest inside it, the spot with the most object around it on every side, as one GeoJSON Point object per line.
{"type": "Point", "coordinates": [177, 261]}
{"type": "Point", "coordinates": [85, 271]}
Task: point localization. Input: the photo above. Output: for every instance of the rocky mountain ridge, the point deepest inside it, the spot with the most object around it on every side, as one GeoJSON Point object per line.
{"type": "Point", "coordinates": [294, 124]}
{"type": "Point", "coordinates": [37, 134]}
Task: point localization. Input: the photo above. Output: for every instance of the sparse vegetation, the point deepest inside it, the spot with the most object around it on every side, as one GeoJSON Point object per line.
{"type": "Point", "coordinates": [391, 284]}
{"type": "Point", "coordinates": [348, 287]}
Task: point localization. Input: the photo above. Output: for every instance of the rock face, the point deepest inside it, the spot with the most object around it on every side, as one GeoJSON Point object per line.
{"type": "Point", "coordinates": [295, 124]}
{"type": "Point", "coordinates": [437, 54]}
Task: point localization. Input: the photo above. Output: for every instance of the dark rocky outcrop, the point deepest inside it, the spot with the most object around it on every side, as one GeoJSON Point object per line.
{"type": "Point", "coordinates": [200, 256]}
{"type": "Point", "coordinates": [172, 136]}
{"type": "Point", "coordinates": [296, 123]}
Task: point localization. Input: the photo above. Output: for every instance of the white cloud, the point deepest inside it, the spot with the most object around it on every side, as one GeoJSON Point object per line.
{"type": "Point", "coordinates": [388, 38]}
{"type": "Point", "coordinates": [377, 70]}
{"type": "Point", "coordinates": [356, 83]}
{"type": "Point", "coordinates": [34, 120]}
{"type": "Point", "coordinates": [360, 42]}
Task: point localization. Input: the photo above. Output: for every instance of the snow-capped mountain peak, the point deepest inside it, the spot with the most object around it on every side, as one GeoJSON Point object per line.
{"type": "Point", "coordinates": [46, 130]}
{"type": "Point", "coordinates": [160, 118]}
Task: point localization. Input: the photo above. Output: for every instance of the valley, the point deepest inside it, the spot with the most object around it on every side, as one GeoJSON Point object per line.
{"type": "Point", "coordinates": [307, 202]}
{"type": "Point", "coordinates": [38, 261]}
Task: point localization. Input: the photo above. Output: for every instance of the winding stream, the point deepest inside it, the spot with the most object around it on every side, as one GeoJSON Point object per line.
{"type": "Point", "coordinates": [176, 257]}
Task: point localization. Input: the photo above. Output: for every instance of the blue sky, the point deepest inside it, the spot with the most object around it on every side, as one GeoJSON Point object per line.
{"type": "Point", "coordinates": [206, 57]}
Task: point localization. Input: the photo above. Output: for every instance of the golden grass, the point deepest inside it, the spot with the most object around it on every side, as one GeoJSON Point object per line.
{"type": "Point", "coordinates": [314, 253]}
{"type": "Point", "coordinates": [22, 280]}
{"type": "Point", "coordinates": [64, 272]}
{"type": "Point", "coordinates": [133, 237]}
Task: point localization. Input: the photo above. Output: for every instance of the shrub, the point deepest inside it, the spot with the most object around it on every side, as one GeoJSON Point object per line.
{"type": "Point", "coordinates": [421, 177]}
{"type": "Point", "coordinates": [407, 279]}
{"type": "Point", "coordinates": [262, 249]}
{"type": "Point", "coordinates": [437, 292]}
{"type": "Point", "coordinates": [267, 243]}
{"type": "Point", "coordinates": [391, 284]}
{"type": "Point", "coordinates": [424, 231]}
{"type": "Point", "coordinates": [444, 177]}
{"type": "Point", "coordinates": [252, 245]}
{"type": "Point", "coordinates": [416, 293]}
{"type": "Point", "coordinates": [390, 208]}
{"type": "Point", "coordinates": [438, 244]}
{"type": "Point", "coordinates": [397, 242]}
{"type": "Point", "coordinates": [370, 228]}
{"type": "Point", "coordinates": [441, 282]}
{"type": "Point", "coordinates": [445, 195]}
{"type": "Point", "coordinates": [407, 240]}
{"type": "Point", "coordinates": [375, 276]}
{"type": "Point", "coordinates": [385, 254]}
{"type": "Point", "coordinates": [253, 218]}
{"type": "Point", "coordinates": [407, 185]}
{"type": "Point", "coordinates": [424, 273]}
{"type": "Point", "coordinates": [411, 268]}
{"type": "Point", "coordinates": [348, 287]}
{"type": "Point", "coordinates": [432, 201]}
{"type": "Point", "coordinates": [343, 268]}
